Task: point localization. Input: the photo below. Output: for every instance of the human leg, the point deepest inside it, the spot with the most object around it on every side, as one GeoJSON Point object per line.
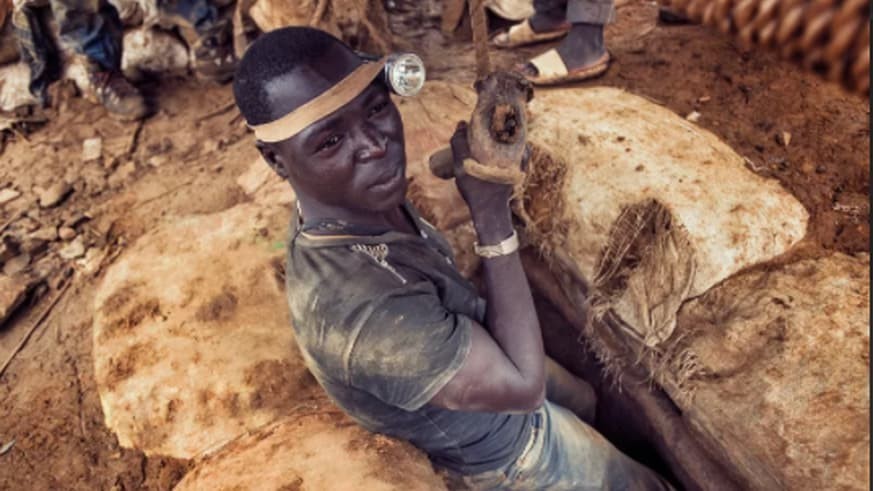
{"type": "Point", "coordinates": [36, 49]}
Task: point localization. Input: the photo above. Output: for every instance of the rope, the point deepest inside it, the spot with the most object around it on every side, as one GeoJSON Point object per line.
{"type": "Point", "coordinates": [479, 22]}
{"type": "Point", "coordinates": [830, 37]}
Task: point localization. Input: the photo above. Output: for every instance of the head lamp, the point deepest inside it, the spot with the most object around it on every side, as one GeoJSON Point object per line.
{"type": "Point", "coordinates": [404, 73]}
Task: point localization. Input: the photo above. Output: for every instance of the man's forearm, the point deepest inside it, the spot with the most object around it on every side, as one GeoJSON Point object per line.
{"type": "Point", "coordinates": [511, 317]}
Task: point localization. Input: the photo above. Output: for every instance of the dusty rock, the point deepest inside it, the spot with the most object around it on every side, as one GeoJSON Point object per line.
{"type": "Point", "coordinates": [92, 149]}
{"type": "Point", "coordinates": [73, 250]}
{"type": "Point", "coordinates": [46, 234]}
{"type": "Point", "coordinates": [16, 265]}
{"type": "Point", "coordinates": [13, 292]}
{"type": "Point", "coordinates": [704, 99]}
{"type": "Point", "coordinates": [76, 219]}
{"type": "Point", "coordinates": [783, 138]}
{"type": "Point", "coordinates": [93, 260]}
{"type": "Point", "coordinates": [54, 194]}
{"type": "Point", "coordinates": [66, 233]}
{"type": "Point", "coordinates": [158, 160]}
{"type": "Point", "coordinates": [693, 116]}
{"type": "Point", "coordinates": [7, 195]}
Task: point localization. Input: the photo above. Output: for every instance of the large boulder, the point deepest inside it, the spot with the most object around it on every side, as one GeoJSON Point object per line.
{"type": "Point", "coordinates": [781, 388]}
{"type": "Point", "coordinates": [314, 448]}
{"type": "Point", "coordinates": [649, 208]}
{"type": "Point", "coordinates": [192, 341]}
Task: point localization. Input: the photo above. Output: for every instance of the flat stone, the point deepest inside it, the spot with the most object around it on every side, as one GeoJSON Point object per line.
{"type": "Point", "coordinates": [67, 233]}
{"type": "Point", "coordinates": [92, 149]}
{"type": "Point", "coordinates": [16, 265]}
{"type": "Point", "coordinates": [13, 292]}
{"type": "Point", "coordinates": [73, 250]}
{"type": "Point", "coordinates": [54, 195]}
{"type": "Point", "coordinates": [7, 195]}
{"type": "Point", "coordinates": [46, 234]}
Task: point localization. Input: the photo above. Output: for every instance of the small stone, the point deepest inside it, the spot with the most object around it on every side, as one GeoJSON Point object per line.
{"type": "Point", "coordinates": [807, 167]}
{"type": "Point", "coordinates": [13, 292]}
{"type": "Point", "coordinates": [92, 149]}
{"type": "Point", "coordinates": [54, 195]}
{"type": "Point", "coordinates": [783, 138]}
{"type": "Point", "coordinates": [93, 260]}
{"type": "Point", "coordinates": [211, 145]}
{"type": "Point", "coordinates": [7, 195]}
{"type": "Point", "coordinates": [820, 169]}
{"type": "Point", "coordinates": [16, 265]}
{"type": "Point", "coordinates": [73, 250]}
{"type": "Point", "coordinates": [66, 233]}
{"type": "Point", "coordinates": [46, 234]}
{"type": "Point", "coordinates": [158, 160]}
{"type": "Point", "coordinates": [704, 99]}
{"type": "Point", "coordinates": [693, 116]}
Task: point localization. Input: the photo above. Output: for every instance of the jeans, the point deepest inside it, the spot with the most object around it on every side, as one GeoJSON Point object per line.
{"type": "Point", "coordinates": [578, 11]}
{"type": "Point", "coordinates": [91, 28]}
{"type": "Point", "coordinates": [565, 454]}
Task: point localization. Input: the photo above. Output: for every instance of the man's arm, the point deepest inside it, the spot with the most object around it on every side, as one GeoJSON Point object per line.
{"type": "Point", "coordinates": [505, 368]}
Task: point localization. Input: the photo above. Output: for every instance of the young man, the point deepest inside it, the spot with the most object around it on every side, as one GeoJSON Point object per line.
{"type": "Point", "coordinates": [394, 334]}
{"type": "Point", "coordinates": [92, 29]}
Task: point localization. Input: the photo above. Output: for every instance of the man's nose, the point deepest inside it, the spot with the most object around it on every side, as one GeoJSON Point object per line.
{"type": "Point", "coordinates": [373, 144]}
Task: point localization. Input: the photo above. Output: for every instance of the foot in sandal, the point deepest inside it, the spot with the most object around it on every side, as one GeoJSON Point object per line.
{"type": "Point", "coordinates": [581, 56]}
{"type": "Point", "coordinates": [538, 28]}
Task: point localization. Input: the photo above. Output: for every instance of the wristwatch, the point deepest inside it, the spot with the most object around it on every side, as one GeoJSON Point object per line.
{"type": "Point", "coordinates": [504, 248]}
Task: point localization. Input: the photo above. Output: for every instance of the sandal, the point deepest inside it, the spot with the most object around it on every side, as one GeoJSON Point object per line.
{"type": "Point", "coordinates": [551, 69]}
{"type": "Point", "coordinates": [522, 34]}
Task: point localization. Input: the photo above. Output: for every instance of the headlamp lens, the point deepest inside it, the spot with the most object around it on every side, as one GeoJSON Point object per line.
{"type": "Point", "coordinates": [406, 74]}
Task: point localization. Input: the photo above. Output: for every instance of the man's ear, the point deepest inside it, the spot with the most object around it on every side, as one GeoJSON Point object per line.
{"type": "Point", "coordinates": [272, 159]}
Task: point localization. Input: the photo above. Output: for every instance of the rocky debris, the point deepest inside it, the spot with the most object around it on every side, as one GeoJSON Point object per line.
{"type": "Point", "coordinates": [13, 292]}
{"type": "Point", "coordinates": [73, 250]}
{"type": "Point", "coordinates": [54, 194]}
{"type": "Point", "coordinates": [16, 265]}
{"type": "Point", "coordinates": [66, 233]}
{"type": "Point", "coordinates": [46, 234]}
{"type": "Point", "coordinates": [92, 149]}
{"type": "Point", "coordinates": [7, 195]}
{"type": "Point", "coordinates": [783, 138]}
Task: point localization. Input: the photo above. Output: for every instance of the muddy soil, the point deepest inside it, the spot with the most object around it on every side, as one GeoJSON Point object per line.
{"type": "Point", "coordinates": [185, 160]}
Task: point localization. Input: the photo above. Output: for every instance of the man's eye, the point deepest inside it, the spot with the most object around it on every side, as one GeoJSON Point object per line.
{"type": "Point", "coordinates": [330, 142]}
{"type": "Point", "coordinates": [378, 108]}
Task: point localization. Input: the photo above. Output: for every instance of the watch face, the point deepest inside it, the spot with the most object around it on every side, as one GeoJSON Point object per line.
{"type": "Point", "coordinates": [406, 74]}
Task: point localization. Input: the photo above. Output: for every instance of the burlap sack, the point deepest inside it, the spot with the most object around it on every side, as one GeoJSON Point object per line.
{"type": "Point", "coordinates": [648, 208]}
{"type": "Point", "coordinates": [314, 447]}
{"type": "Point", "coordinates": [192, 342]}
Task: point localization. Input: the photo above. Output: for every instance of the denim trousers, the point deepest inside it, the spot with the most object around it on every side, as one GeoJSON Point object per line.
{"type": "Point", "coordinates": [565, 454]}
{"type": "Point", "coordinates": [578, 11]}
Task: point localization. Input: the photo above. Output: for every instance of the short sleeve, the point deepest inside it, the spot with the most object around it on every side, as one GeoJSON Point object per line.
{"type": "Point", "coordinates": [408, 347]}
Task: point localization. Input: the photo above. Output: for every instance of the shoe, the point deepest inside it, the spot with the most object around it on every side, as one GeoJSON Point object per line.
{"type": "Point", "coordinates": [118, 96]}
{"type": "Point", "coordinates": [214, 58]}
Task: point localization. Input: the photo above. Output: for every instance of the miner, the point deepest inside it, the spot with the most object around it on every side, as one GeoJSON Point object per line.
{"type": "Point", "coordinates": [386, 323]}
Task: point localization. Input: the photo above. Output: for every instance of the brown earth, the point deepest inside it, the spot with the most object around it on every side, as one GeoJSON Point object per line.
{"type": "Point", "coordinates": [186, 158]}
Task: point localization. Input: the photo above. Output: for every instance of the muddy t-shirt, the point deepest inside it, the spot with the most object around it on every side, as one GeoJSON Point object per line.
{"type": "Point", "coordinates": [383, 320]}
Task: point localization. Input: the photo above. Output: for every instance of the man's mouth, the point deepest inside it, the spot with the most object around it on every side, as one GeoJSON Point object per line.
{"type": "Point", "coordinates": [388, 180]}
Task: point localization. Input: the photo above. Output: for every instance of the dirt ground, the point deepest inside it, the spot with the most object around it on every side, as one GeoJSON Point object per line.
{"type": "Point", "coordinates": [186, 158]}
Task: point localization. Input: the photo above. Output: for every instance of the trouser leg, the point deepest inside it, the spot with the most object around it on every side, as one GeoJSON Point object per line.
{"type": "Point", "coordinates": [200, 15]}
{"type": "Point", "coordinates": [36, 48]}
{"type": "Point", "coordinates": [551, 8]}
{"type": "Point", "coordinates": [599, 12]}
{"type": "Point", "coordinates": [91, 28]}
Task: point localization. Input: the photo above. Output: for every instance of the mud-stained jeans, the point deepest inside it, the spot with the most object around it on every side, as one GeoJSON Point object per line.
{"type": "Point", "coordinates": [565, 454]}
{"type": "Point", "coordinates": [578, 11]}
{"type": "Point", "coordinates": [88, 27]}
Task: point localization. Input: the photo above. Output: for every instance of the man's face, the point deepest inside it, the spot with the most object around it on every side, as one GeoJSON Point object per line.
{"type": "Point", "coordinates": [354, 158]}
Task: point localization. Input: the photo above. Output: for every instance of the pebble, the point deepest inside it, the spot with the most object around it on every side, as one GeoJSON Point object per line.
{"type": "Point", "coordinates": [16, 265]}
{"type": "Point", "coordinates": [7, 195]}
{"type": "Point", "coordinates": [73, 250]}
{"type": "Point", "coordinates": [157, 160]}
{"type": "Point", "coordinates": [66, 233]}
{"type": "Point", "coordinates": [783, 138]}
{"type": "Point", "coordinates": [92, 149]}
{"type": "Point", "coordinates": [693, 116]}
{"type": "Point", "coordinates": [47, 234]}
{"type": "Point", "coordinates": [54, 195]}
{"type": "Point", "coordinates": [13, 292]}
